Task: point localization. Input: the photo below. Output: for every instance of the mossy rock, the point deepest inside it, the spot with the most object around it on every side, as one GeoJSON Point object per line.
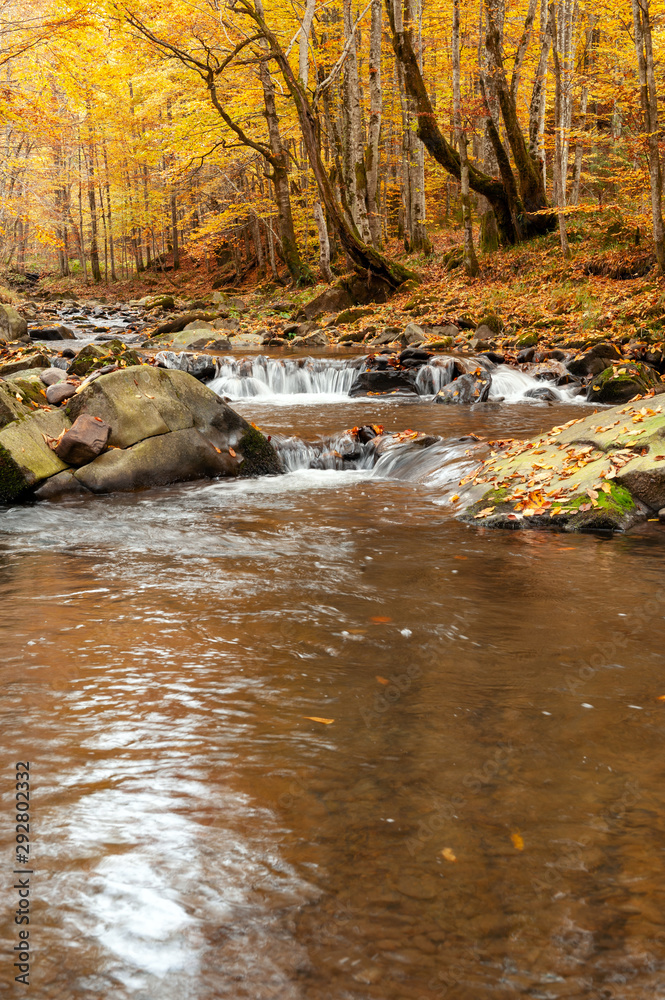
{"type": "Point", "coordinates": [352, 315]}
{"type": "Point", "coordinates": [528, 339]}
{"type": "Point", "coordinates": [409, 286]}
{"type": "Point", "coordinates": [25, 457]}
{"type": "Point", "coordinates": [258, 456]}
{"type": "Point", "coordinates": [442, 344]}
{"type": "Point", "coordinates": [494, 322]}
{"type": "Point", "coordinates": [621, 382]}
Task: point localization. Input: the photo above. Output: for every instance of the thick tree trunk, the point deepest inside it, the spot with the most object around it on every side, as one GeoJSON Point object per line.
{"type": "Point", "coordinates": [503, 199]}
{"type": "Point", "coordinates": [364, 257]}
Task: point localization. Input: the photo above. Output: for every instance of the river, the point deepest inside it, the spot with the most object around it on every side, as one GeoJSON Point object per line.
{"type": "Point", "coordinates": [483, 816]}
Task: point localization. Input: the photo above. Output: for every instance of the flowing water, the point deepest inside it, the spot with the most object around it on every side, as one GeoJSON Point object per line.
{"type": "Point", "coordinates": [482, 817]}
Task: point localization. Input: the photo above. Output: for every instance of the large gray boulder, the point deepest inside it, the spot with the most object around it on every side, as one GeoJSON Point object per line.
{"type": "Point", "coordinates": [165, 427]}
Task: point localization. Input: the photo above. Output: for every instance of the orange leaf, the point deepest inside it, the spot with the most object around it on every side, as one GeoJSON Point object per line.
{"type": "Point", "coordinates": [315, 718]}
{"type": "Point", "coordinates": [382, 680]}
{"type": "Point", "coordinates": [380, 619]}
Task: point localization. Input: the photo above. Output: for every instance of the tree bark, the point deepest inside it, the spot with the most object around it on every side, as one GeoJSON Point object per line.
{"type": "Point", "coordinates": [372, 150]}
{"type": "Point", "coordinates": [649, 99]}
{"type": "Point", "coordinates": [470, 260]}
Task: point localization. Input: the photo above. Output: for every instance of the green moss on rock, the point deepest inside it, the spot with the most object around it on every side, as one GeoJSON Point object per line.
{"type": "Point", "coordinates": [259, 456]}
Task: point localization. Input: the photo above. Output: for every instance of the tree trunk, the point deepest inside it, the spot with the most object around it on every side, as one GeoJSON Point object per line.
{"type": "Point", "coordinates": [560, 152]}
{"type": "Point", "coordinates": [649, 98]}
{"type": "Point", "coordinates": [354, 164]}
{"type": "Point", "coordinates": [324, 242]}
{"type": "Point", "coordinates": [372, 150]}
{"type": "Point", "coordinates": [364, 257]}
{"type": "Point", "coordinates": [470, 260]}
{"type": "Point", "coordinates": [500, 194]}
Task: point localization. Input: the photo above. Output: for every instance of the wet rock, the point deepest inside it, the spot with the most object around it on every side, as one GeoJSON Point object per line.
{"type": "Point", "coordinates": [621, 382]}
{"type": "Point", "coordinates": [552, 371]}
{"type": "Point", "coordinates": [12, 324]}
{"type": "Point", "coordinates": [544, 394]}
{"type": "Point", "coordinates": [526, 356]}
{"type": "Point", "coordinates": [383, 383]}
{"type": "Point", "coordinates": [466, 323]}
{"type": "Point", "coordinates": [51, 333]}
{"type": "Point", "coordinates": [496, 359]}
{"type": "Point", "coordinates": [59, 392]}
{"type": "Point", "coordinates": [59, 485]}
{"type": "Point", "coordinates": [86, 438]}
{"type": "Point", "coordinates": [158, 302]}
{"type": "Point", "coordinates": [315, 339]}
{"type": "Point", "coordinates": [25, 457]}
{"type": "Point", "coordinates": [602, 472]}
{"type": "Point", "coordinates": [466, 390]}
{"type": "Point", "coordinates": [385, 337]}
{"type": "Point", "coordinates": [201, 366]}
{"type": "Point", "coordinates": [594, 361]}
{"type": "Point", "coordinates": [413, 334]}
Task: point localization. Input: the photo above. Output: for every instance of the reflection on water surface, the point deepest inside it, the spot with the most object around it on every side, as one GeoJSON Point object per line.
{"type": "Point", "coordinates": [483, 817]}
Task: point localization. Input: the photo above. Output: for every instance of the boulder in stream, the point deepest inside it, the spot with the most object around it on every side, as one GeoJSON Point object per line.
{"type": "Point", "coordinates": [602, 472]}
{"type": "Point", "coordinates": [474, 387]}
{"type": "Point", "coordinates": [160, 427]}
{"type": "Point", "coordinates": [621, 382]}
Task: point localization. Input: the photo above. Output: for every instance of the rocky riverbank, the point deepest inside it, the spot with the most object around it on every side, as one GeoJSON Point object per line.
{"type": "Point", "coordinates": [601, 472]}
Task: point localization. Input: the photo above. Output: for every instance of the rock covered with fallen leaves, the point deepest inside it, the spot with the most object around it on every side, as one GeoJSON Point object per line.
{"type": "Point", "coordinates": [131, 428]}
{"type": "Point", "coordinates": [602, 472]}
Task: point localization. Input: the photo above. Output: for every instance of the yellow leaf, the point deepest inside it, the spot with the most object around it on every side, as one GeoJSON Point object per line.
{"type": "Point", "coordinates": [454, 497]}
{"type": "Point", "coordinates": [518, 841]}
{"type": "Point", "coordinates": [315, 718]}
{"type": "Point", "coordinates": [448, 854]}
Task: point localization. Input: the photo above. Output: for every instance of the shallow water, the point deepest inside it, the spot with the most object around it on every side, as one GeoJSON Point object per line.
{"type": "Point", "coordinates": [196, 837]}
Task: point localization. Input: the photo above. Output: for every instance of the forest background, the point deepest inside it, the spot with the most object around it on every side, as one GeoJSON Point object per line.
{"type": "Point", "coordinates": [292, 141]}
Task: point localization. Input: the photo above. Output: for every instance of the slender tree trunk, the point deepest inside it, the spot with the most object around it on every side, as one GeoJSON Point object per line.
{"type": "Point", "coordinates": [560, 164]}
{"type": "Point", "coordinates": [470, 260]}
{"type": "Point", "coordinates": [354, 164]}
{"type": "Point", "coordinates": [649, 98]}
{"type": "Point", "coordinates": [324, 243]}
{"type": "Point", "coordinates": [107, 186]}
{"type": "Point", "coordinates": [372, 150]}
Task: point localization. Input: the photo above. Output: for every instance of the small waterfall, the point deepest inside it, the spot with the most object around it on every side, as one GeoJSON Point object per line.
{"type": "Point", "coordinates": [435, 375]}
{"type": "Point", "coordinates": [421, 458]}
{"type": "Point", "coordinates": [511, 385]}
{"type": "Point", "coordinates": [241, 378]}
{"type": "Point", "coordinates": [341, 451]}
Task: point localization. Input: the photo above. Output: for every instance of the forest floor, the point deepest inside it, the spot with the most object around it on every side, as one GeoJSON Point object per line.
{"type": "Point", "coordinates": [608, 289]}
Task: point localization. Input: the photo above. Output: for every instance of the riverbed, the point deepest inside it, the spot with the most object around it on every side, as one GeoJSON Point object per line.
{"type": "Point", "coordinates": [310, 738]}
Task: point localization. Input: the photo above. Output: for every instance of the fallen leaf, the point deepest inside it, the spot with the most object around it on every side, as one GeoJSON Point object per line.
{"type": "Point", "coordinates": [380, 619]}
{"type": "Point", "coordinates": [315, 718]}
{"type": "Point", "coordinates": [454, 497]}
{"type": "Point", "coordinates": [382, 680]}
{"type": "Point", "coordinates": [232, 453]}
{"type": "Point", "coordinates": [448, 854]}
{"type": "Point", "coordinates": [518, 841]}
